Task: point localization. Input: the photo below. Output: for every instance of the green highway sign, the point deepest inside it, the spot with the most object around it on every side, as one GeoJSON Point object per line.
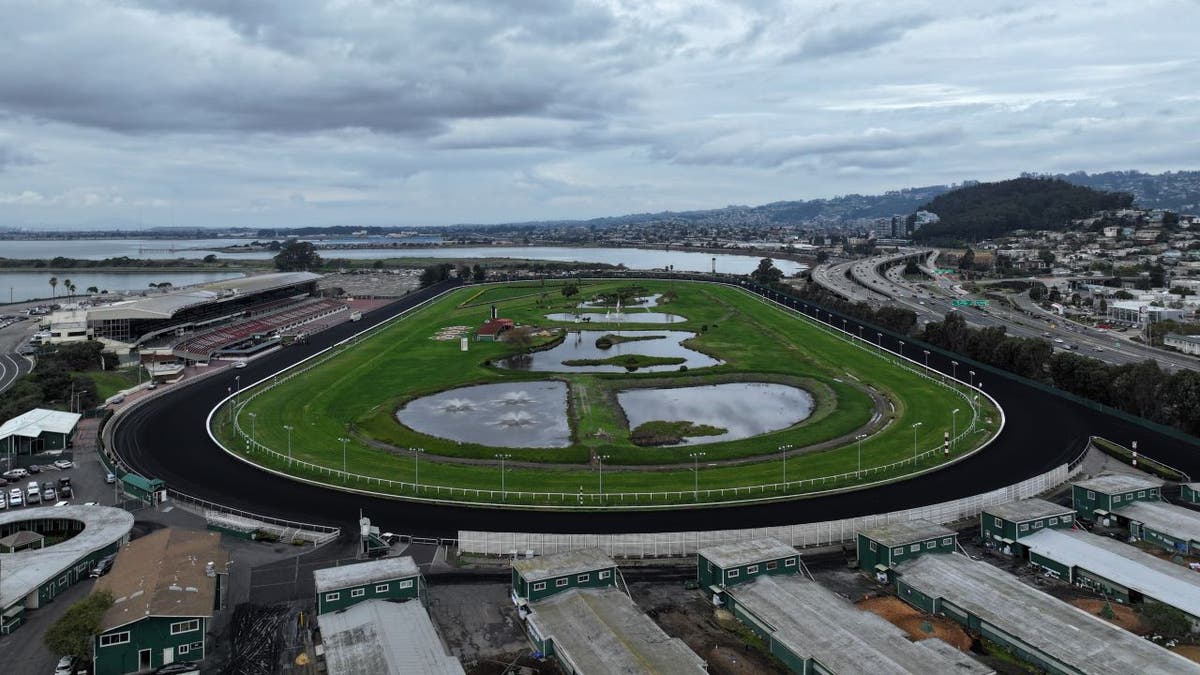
{"type": "Point", "coordinates": [969, 303]}
{"type": "Point", "coordinates": [944, 271]}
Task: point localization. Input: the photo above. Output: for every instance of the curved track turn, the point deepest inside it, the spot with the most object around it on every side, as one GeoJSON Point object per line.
{"type": "Point", "coordinates": [166, 438]}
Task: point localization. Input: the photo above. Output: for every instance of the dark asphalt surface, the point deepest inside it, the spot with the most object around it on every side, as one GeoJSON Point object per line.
{"type": "Point", "coordinates": [166, 438]}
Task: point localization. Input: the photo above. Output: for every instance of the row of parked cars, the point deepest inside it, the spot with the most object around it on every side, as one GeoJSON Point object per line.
{"type": "Point", "coordinates": [34, 492]}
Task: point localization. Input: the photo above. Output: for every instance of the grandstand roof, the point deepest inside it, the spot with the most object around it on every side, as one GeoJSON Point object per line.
{"type": "Point", "coordinates": [168, 304]}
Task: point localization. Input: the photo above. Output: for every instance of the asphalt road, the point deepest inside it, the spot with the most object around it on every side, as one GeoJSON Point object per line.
{"type": "Point", "coordinates": [166, 438]}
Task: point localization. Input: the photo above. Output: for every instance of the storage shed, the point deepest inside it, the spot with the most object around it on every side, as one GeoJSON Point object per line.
{"type": "Point", "coordinates": [735, 563]}
{"type": "Point", "coordinates": [882, 548]}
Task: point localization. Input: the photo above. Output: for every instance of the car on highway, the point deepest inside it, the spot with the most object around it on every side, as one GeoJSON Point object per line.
{"type": "Point", "coordinates": [15, 497]}
{"type": "Point", "coordinates": [1058, 341]}
{"type": "Point", "coordinates": [1098, 348]}
{"type": "Point", "coordinates": [110, 478]}
{"type": "Point", "coordinates": [63, 464]}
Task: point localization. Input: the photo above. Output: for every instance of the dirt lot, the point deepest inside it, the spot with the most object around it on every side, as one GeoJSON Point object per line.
{"type": "Point", "coordinates": [1188, 651]}
{"type": "Point", "coordinates": [911, 621]}
{"type": "Point", "coordinates": [1124, 616]}
{"type": "Point", "coordinates": [689, 616]}
{"type": "Point", "coordinates": [479, 624]}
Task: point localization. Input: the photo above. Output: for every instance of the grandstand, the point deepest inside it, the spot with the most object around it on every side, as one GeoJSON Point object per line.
{"type": "Point", "coordinates": [281, 316]}
{"type": "Point", "coordinates": [134, 322]}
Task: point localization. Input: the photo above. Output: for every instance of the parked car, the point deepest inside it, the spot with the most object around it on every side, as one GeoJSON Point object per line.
{"type": "Point", "coordinates": [63, 464]}
{"type": "Point", "coordinates": [14, 474]}
{"type": "Point", "coordinates": [102, 566]}
{"type": "Point", "coordinates": [33, 493]}
{"type": "Point", "coordinates": [62, 503]}
{"type": "Point", "coordinates": [110, 478]}
{"type": "Point", "coordinates": [49, 494]}
{"type": "Point", "coordinates": [66, 665]}
{"type": "Point", "coordinates": [35, 468]}
{"type": "Point", "coordinates": [3, 482]}
{"type": "Point", "coordinates": [3, 501]}
{"type": "Point", "coordinates": [64, 487]}
{"type": "Point", "coordinates": [15, 497]}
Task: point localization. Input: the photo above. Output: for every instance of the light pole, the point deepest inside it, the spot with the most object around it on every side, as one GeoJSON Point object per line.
{"type": "Point", "coordinates": [784, 449]}
{"type": "Point", "coordinates": [901, 348]}
{"type": "Point", "coordinates": [602, 458]}
{"type": "Point", "coordinates": [843, 325]}
{"type": "Point", "coordinates": [417, 469]}
{"type": "Point", "coordinates": [288, 428]}
{"type": "Point", "coordinates": [344, 441]}
{"type": "Point", "coordinates": [954, 369]}
{"type": "Point", "coordinates": [972, 378]}
{"type": "Point", "coordinates": [859, 438]}
{"type": "Point", "coordinates": [860, 332]}
{"type": "Point", "coordinates": [914, 428]}
{"type": "Point", "coordinates": [954, 428]}
{"type": "Point", "coordinates": [237, 380]}
{"type": "Point", "coordinates": [503, 487]}
{"type": "Point", "coordinates": [879, 341]}
{"type": "Point", "coordinates": [252, 417]}
{"type": "Point", "coordinates": [696, 474]}
{"type": "Point", "coordinates": [926, 359]}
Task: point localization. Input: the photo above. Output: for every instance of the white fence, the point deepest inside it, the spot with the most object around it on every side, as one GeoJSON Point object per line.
{"type": "Point", "coordinates": [830, 532]}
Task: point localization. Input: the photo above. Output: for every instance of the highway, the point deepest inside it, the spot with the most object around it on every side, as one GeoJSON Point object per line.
{"type": "Point", "coordinates": [12, 366]}
{"type": "Point", "coordinates": [166, 438]}
{"type": "Point", "coordinates": [931, 301]}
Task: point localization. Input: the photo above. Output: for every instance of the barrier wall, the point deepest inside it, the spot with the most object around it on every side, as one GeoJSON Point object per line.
{"type": "Point", "coordinates": [830, 532]}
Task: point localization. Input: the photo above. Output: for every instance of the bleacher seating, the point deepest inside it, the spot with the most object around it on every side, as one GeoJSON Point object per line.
{"type": "Point", "coordinates": [286, 315]}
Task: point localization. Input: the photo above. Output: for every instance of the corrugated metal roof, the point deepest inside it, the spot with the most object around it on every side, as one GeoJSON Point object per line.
{"type": "Point", "coordinates": [377, 637]}
{"type": "Point", "coordinates": [358, 574]}
{"type": "Point", "coordinates": [34, 422]}
{"type": "Point", "coordinates": [907, 532]}
{"type": "Point", "coordinates": [168, 304]}
{"type": "Point", "coordinates": [747, 552]}
{"type": "Point", "coordinates": [562, 564]}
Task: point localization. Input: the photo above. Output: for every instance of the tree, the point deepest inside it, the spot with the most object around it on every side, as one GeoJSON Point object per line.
{"type": "Point", "coordinates": [297, 255]}
{"type": "Point", "coordinates": [210, 258]}
{"type": "Point", "coordinates": [767, 273]}
{"type": "Point", "coordinates": [67, 286]}
{"type": "Point", "coordinates": [1037, 292]}
{"type": "Point", "coordinates": [53, 286]}
{"type": "Point", "coordinates": [378, 264]}
{"type": "Point", "coordinates": [93, 290]}
{"type": "Point", "coordinates": [73, 633]}
{"type": "Point", "coordinates": [478, 274]}
{"type": "Point", "coordinates": [822, 256]}
{"type": "Point", "coordinates": [1104, 306]}
{"type": "Point", "coordinates": [570, 290]}
{"type": "Point", "coordinates": [1166, 620]}
{"type": "Point", "coordinates": [967, 261]}
{"type": "Point", "coordinates": [435, 274]}
{"type": "Point", "coordinates": [1046, 256]}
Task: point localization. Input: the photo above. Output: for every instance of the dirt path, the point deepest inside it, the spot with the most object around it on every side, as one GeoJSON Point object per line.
{"type": "Point", "coordinates": [915, 622]}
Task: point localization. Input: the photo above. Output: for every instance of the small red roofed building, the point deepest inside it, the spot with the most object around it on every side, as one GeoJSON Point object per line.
{"type": "Point", "coordinates": [492, 328]}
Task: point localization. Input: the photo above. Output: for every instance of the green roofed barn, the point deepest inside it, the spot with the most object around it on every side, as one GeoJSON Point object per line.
{"type": "Point", "coordinates": [882, 548]}
{"type": "Point", "coordinates": [1096, 497]}
{"type": "Point", "coordinates": [731, 564]}
{"type": "Point", "coordinates": [543, 576]}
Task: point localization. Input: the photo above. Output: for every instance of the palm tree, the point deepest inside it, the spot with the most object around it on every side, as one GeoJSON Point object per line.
{"type": "Point", "coordinates": [73, 290]}
{"type": "Point", "coordinates": [67, 287]}
{"type": "Point", "coordinates": [53, 286]}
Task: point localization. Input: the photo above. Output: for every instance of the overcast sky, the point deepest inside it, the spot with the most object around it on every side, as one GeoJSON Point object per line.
{"type": "Point", "coordinates": [398, 112]}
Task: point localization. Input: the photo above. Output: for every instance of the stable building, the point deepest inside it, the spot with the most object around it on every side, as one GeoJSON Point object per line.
{"type": "Point", "coordinates": [32, 576]}
{"type": "Point", "coordinates": [1032, 625]}
{"type": "Point", "coordinates": [344, 586]}
{"type": "Point", "coordinates": [1094, 498]}
{"type": "Point", "coordinates": [384, 638]}
{"type": "Point", "coordinates": [1190, 493]}
{"type": "Point", "coordinates": [882, 548]}
{"type": "Point", "coordinates": [38, 430]}
{"type": "Point", "coordinates": [534, 579]}
{"type": "Point", "coordinates": [813, 630]}
{"type": "Point", "coordinates": [166, 587]}
{"type": "Point", "coordinates": [730, 564]}
{"type": "Point", "coordinates": [1117, 570]}
{"type": "Point", "coordinates": [1005, 524]}
{"type": "Point", "coordinates": [1175, 528]}
{"type": "Point", "coordinates": [600, 631]}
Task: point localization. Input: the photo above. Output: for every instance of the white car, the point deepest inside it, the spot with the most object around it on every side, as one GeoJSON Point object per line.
{"type": "Point", "coordinates": [64, 666]}
{"type": "Point", "coordinates": [239, 364]}
{"type": "Point", "coordinates": [16, 497]}
{"type": "Point", "coordinates": [63, 464]}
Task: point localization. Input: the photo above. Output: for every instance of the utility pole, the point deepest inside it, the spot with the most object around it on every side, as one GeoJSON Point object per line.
{"type": "Point", "coordinates": [503, 487]}
{"type": "Point", "coordinates": [696, 474]}
{"type": "Point", "coordinates": [417, 469]}
{"type": "Point", "coordinates": [602, 458]}
{"type": "Point", "coordinates": [288, 428]}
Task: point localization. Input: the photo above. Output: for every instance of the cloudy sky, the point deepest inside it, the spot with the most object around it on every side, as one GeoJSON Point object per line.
{"type": "Point", "coordinates": [399, 112]}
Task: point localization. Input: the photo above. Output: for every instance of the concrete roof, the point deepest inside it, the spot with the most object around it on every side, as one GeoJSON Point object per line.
{"type": "Point", "coordinates": [747, 552]}
{"type": "Point", "coordinates": [562, 564]}
{"type": "Point", "coordinates": [1114, 483]}
{"type": "Point", "coordinates": [166, 305]}
{"type": "Point", "coordinates": [814, 622]}
{"type": "Point", "coordinates": [24, 571]}
{"type": "Point", "coordinates": [359, 574]}
{"type": "Point", "coordinates": [31, 424]}
{"type": "Point", "coordinates": [601, 631]}
{"type": "Point", "coordinates": [907, 532]}
{"type": "Point", "coordinates": [1126, 565]}
{"type": "Point", "coordinates": [377, 637]}
{"type": "Point", "coordinates": [1052, 626]}
{"type": "Point", "coordinates": [163, 574]}
{"type": "Point", "coordinates": [22, 538]}
{"type": "Point", "coordinates": [1169, 519]}
{"type": "Point", "coordinates": [1028, 509]}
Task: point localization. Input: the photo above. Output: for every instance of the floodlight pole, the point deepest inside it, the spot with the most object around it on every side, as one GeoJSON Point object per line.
{"type": "Point", "coordinates": [288, 428]}
{"type": "Point", "coordinates": [344, 440]}
{"type": "Point", "coordinates": [503, 488]}
{"type": "Point", "coordinates": [696, 474]}
{"type": "Point", "coordinates": [417, 469]}
{"type": "Point", "coordinates": [954, 428]}
{"type": "Point", "coordinates": [860, 438]}
{"type": "Point", "coordinates": [602, 458]}
{"type": "Point", "coordinates": [914, 428]}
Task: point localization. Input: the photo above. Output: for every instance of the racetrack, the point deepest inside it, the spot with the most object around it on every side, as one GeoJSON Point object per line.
{"type": "Point", "coordinates": [166, 438]}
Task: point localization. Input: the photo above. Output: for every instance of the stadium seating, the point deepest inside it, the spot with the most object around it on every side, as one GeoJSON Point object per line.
{"type": "Point", "coordinates": [268, 319]}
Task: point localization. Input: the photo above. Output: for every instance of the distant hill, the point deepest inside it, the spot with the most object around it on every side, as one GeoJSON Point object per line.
{"type": "Point", "coordinates": [1177, 191]}
{"type": "Point", "coordinates": [993, 209]}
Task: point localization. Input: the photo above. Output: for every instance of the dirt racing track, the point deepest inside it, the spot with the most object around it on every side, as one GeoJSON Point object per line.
{"type": "Point", "coordinates": [166, 438]}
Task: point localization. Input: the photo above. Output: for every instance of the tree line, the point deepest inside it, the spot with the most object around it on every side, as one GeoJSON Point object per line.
{"type": "Point", "coordinates": [56, 377]}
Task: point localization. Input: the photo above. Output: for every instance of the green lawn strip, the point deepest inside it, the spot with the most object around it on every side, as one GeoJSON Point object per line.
{"type": "Point", "coordinates": [500, 294]}
{"type": "Point", "coordinates": [110, 382]}
{"type": "Point", "coordinates": [359, 390]}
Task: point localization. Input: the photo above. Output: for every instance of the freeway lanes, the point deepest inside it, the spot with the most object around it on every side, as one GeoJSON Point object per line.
{"type": "Point", "coordinates": [12, 366]}
{"type": "Point", "coordinates": [165, 438]}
